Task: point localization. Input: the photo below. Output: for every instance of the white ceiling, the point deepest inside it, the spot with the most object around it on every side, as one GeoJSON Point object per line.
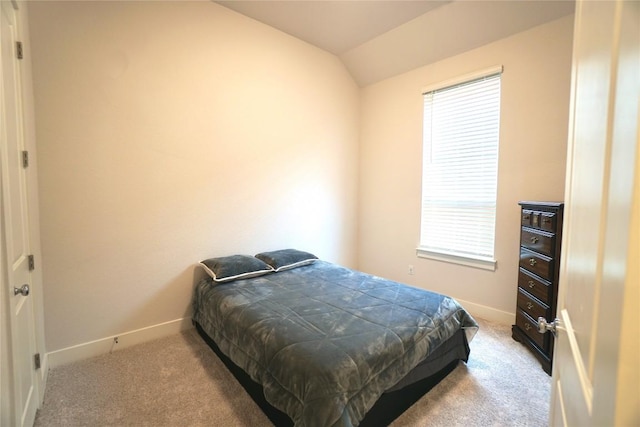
{"type": "Point", "coordinates": [381, 38]}
{"type": "Point", "coordinates": [335, 26]}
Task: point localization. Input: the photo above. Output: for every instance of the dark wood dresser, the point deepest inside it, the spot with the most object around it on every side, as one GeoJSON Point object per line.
{"type": "Point", "coordinates": [540, 241]}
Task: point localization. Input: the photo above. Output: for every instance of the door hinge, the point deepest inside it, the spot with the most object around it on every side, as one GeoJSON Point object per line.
{"type": "Point", "coordinates": [32, 263]}
{"type": "Point", "coordinates": [36, 360]}
{"type": "Point", "coordinates": [19, 51]}
{"type": "Point", "coordinates": [25, 159]}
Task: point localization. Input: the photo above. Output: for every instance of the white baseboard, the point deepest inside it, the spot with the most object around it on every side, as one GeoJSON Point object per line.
{"type": "Point", "coordinates": [127, 339]}
{"type": "Point", "coordinates": [108, 344]}
{"type": "Point", "coordinates": [488, 313]}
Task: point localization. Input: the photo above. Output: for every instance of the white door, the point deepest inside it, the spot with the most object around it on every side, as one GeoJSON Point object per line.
{"type": "Point", "coordinates": [601, 176]}
{"type": "Point", "coordinates": [17, 277]}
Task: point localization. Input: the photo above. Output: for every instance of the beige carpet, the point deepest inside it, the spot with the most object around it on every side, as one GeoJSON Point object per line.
{"type": "Point", "coordinates": [179, 381]}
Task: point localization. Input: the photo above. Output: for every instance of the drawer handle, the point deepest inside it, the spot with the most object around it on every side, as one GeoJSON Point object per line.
{"type": "Point", "coordinates": [532, 284]}
{"type": "Point", "coordinates": [529, 305]}
{"type": "Point", "coordinates": [534, 239]}
{"type": "Point", "coordinates": [527, 326]}
{"type": "Point", "coordinates": [546, 220]}
{"type": "Point", "coordinates": [532, 262]}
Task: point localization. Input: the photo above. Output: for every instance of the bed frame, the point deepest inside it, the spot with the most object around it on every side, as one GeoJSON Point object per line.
{"type": "Point", "coordinates": [391, 404]}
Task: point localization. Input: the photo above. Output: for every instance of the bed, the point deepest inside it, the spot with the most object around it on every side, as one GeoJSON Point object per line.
{"type": "Point", "coordinates": [318, 344]}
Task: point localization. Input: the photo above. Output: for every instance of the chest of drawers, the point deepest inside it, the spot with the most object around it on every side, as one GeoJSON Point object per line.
{"type": "Point", "coordinates": [539, 268]}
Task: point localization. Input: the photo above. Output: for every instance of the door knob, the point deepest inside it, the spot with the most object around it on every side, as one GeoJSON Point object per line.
{"type": "Point", "coordinates": [24, 290]}
{"type": "Point", "coordinates": [544, 326]}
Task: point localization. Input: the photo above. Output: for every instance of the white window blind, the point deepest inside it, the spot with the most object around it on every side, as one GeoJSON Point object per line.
{"type": "Point", "coordinates": [460, 171]}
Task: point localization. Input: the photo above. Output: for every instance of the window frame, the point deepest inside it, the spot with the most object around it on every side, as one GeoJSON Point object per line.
{"type": "Point", "coordinates": [471, 260]}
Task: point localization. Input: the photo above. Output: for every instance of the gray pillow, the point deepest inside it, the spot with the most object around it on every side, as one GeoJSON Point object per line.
{"type": "Point", "coordinates": [226, 269]}
{"type": "Point", "coordinates": [285, 259]}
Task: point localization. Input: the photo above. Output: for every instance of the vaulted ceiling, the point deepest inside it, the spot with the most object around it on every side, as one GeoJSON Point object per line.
{"type": "Point", "coordinates": [336, 26]}
{"type": "Point", "coordinates": [379, 39]}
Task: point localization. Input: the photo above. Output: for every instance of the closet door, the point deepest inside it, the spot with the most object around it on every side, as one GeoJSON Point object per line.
{"type": "Point", "coordinates": [20, 402]}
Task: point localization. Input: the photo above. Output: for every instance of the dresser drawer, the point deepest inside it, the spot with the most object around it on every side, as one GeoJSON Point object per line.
{"type": "Point", "coordinates": [538, 241]}
{"type": "Point", "coordinates": [531, 306]}
{"type": "Point", "coordinates": [526, 217]}
{"type": "Point", "coordinates": [536, 263]}
{"type": "Point", "coordinates": [548, 221]}
{"type": "Point", "coordinates": [536, 287]}
{"type": "Point", "coordinates": [542, 220]}
{"type": "Point", "coordinates": [530, 328]}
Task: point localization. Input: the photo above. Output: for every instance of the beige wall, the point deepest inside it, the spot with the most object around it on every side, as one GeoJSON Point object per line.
{"type": "Point", "coordinates": [169, 132]}
{"type": "Point", "coordinates": [533, 136]}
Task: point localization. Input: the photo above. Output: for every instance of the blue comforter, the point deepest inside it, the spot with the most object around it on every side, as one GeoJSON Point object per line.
{"type": "Point", "coordinates": [325, 341]}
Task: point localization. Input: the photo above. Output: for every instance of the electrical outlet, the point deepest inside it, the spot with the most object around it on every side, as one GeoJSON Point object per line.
{"type": "Point", "coordinates": [410, 270]}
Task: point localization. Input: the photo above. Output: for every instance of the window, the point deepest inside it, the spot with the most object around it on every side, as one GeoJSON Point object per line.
{"type": "Point", "coordinates": [460, 170]}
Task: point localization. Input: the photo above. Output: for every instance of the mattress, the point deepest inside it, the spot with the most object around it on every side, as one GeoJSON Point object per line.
{"type": "Point", "coordinates": [326, 342]}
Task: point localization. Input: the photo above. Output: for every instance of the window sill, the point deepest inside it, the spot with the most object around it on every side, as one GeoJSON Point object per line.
{"type": "Point", "coordinates": [475, 262]}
